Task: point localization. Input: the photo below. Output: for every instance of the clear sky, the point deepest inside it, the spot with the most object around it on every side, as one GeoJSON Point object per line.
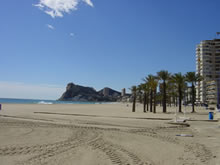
{"type": "Point", "coordinates": [45, 44]}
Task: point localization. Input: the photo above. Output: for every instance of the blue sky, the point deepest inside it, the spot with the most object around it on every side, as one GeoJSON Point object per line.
{"type": "Point", "coordinates": [45, 44]}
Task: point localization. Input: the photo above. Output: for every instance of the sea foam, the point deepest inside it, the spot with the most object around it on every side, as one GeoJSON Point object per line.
{"type": "Point", "coordinates": [44, 102]}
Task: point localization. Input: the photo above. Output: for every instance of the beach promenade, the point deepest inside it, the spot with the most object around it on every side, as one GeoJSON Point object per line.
{"type": "Point", "coordinates": [105, 134]}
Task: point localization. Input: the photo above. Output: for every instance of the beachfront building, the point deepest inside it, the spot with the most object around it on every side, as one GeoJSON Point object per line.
{"type": "Point", "coordinates": [123, 92]}
{"type": "Point", "coordinates": [211, 92]}
{"type": "Point", "coordinates": [208, 66]}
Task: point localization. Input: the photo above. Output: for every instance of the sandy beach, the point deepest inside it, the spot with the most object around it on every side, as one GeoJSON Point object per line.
{"type": "Point", "coordinates": [105, 134]}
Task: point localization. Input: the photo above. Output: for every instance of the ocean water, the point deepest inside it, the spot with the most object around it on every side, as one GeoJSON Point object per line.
{"type": "Point", "coordinates": [33, 101]}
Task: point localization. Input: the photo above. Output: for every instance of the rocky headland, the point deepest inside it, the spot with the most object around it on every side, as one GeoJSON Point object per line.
{"type": "Point", "coordinates": [80, 93]}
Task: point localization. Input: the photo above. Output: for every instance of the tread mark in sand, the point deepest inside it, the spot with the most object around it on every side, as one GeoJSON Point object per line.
{"type": "Point", "coordinates": [113, 152]}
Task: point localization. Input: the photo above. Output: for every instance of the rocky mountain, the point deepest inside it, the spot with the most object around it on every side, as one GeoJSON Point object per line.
{"type": "Point", "coordinates": [80, 93]}
{"type": "Point", "coordinates": [109, 92]}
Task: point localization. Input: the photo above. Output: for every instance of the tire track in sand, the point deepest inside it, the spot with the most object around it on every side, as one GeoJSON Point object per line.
{"type": "Point", "coordinates": [116, 153]}
{"type": "Point", "coordinates": [195, 150]}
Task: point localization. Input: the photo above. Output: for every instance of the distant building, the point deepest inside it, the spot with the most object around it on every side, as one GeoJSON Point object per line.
{"type": "Point", "coordinates": [188, 95]}
{"type": "Point", "coordinates": [123, 92]}
{"type": "Point", "coordinates": [106, 91]}
{"type": "Point", "coordinates": [208, 66]}
{"type": "Point", "coordinates": [211, 92]}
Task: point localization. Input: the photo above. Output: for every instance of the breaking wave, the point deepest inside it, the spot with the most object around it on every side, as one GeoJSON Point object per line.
{"type": "Point", "coordinates": [44, 102]}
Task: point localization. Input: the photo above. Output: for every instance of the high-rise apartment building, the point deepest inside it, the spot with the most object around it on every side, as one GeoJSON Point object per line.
{"type": "Point", "coordinates": [208, 66]}
{"type": "Point", "coordinates": [123, 92]}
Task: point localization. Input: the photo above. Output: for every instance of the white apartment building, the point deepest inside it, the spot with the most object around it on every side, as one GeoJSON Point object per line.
{"type": "Point", "coordinates": [211, 92]}
{"type": "Point", "coordinates": [208, 66]}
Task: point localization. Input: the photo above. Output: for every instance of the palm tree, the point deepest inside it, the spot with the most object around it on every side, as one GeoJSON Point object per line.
{"type": "Point", "coordinates": [192, 78]}
{"type": "Point", "coordinates": [144, 89]}
{"type": "Point", "coordinates": [134, 92]}
{"type": "Point", "coordinates": [146, 93]}
{"type": "Point", "coordinates": [152, 84]}
{"type": "Point", "coordinates": [179, 80]}
{"type": "Point", "coordinates": [154, 88]}
{"type": "Point", "coordinates": [149, 80]}
{"type": "Point", "coordinates": [164, 75]}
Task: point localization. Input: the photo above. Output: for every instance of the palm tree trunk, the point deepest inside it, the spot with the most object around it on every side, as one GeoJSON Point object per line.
{"type": "Point", "coordinates": [134, 102]}
{"type": "Point", "coordinates": [187, 94]}
{"type": "Point", "coordinates": [176, 101]}
{"type": "Point", "coordinates": [180, 99]}
{"type": "Point", "coordinates": [145, 97]}
{"type": "Point", "coordinates": [193, 98]}
{"type": "Point", "coordinates": [151, 100]}
{"type": "Point", "coordinates": [147, 101]}
{"type": "Point", "coordinates": [155, 101]}
{"type": "Point", "coordinates": [164, 97]}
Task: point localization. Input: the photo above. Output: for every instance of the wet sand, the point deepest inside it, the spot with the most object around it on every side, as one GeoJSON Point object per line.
{"type": "Point", "coordinates": [105, 134]}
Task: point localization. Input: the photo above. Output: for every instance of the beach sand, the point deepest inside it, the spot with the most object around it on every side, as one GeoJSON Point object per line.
{"type": "Point", "coordinates": [105, 134]}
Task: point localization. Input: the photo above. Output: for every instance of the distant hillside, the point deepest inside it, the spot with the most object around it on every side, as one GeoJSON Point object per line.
{"type": "Point", "coordinates": [110, 92]}
{"type": "Point", "coordinates": [80, 93]}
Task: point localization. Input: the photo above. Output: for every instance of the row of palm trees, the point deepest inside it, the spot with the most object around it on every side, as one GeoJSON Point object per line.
{"type": "Point", "coordinates": [171, 87]}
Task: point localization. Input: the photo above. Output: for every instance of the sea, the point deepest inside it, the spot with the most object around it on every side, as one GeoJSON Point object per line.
{"type": "Point", "coordinates": [40, 101]}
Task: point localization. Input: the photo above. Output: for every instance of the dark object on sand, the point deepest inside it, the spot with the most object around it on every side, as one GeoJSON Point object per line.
{"type": "Point", "coordinates": [185, 135]}
{"type": "Point", "coordinates": [210, 115]}
{"type": "Point", "coordinates": [180, 123]}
